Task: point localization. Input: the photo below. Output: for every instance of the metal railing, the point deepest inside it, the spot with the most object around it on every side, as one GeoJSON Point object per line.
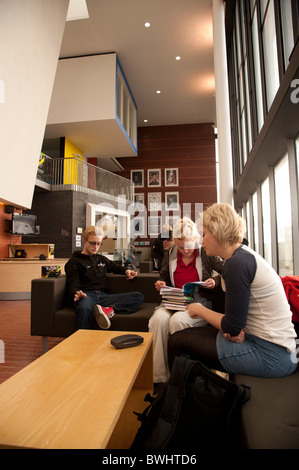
{"type": "Point", "coordinates": [73, 173]}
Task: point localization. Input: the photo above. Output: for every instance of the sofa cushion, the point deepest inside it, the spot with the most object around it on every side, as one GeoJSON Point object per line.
{"type": "Point", "coordinates": [144, 283]}
{"type": "Point", "coordinates": [270, 419]}
{"type": "Point", "coordinates": [137, 321]}
{"type": "Point", "coordinates": [65, 320]}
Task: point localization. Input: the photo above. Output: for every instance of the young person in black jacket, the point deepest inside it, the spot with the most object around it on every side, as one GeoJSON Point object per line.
{"type": "Point", "coordinates": [87, 284]}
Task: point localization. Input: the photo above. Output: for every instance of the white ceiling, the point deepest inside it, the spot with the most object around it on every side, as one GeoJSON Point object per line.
{"type": "Point", "coordinates": [148, 55]}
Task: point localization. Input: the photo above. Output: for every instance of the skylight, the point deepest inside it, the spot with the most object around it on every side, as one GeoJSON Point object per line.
{"type": "Point", "coordinates": [77, 10]}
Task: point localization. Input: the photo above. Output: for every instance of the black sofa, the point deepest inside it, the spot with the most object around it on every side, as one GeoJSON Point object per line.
{"type": "Point", "coordinates": [52, 314]}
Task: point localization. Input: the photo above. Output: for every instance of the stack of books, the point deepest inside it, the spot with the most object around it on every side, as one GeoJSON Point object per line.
{"type": "Point", "coordinates": [174, 298]}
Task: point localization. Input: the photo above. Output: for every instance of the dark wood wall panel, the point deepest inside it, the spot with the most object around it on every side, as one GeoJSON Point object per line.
{"type": "Point", "coordinates": [191, 149]}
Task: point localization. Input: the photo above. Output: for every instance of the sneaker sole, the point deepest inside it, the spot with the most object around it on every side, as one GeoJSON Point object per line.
{"type": "Point", "coordinates": [102, 319]}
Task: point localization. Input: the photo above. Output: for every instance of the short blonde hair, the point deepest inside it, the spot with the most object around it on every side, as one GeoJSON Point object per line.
{"type": "Point", "coordinates": [93, 230]}
{"type": "Point", "coordinates": [224, 223]}
{"type": "Point", "coordinates": [185, 228]}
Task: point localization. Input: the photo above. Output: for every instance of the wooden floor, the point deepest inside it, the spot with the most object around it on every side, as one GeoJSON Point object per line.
{"type": "Point", "coordinates": [17, 347]}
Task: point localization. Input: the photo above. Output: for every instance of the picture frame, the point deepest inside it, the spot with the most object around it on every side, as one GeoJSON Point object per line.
{"type": "Point", "coordinates": [154, 201]}
{"type": "Point", "coordinates": [139, 202]}
{"type": "Point", "coordinates": [154, 225]}
{"type": "Point", "coordinates": [137, 176]}
{"type": "Point", "coordinates": [171, 176]}
{"type": "Point", "coordinates": [138, 227]}
{"type": "Point", "coordinates": [154, 178]}
{"type": "Point", "coordinates": [172, 201]}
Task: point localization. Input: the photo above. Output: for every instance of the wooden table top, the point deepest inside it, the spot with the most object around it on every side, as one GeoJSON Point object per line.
{"type": "Point", "coordinates": [72, 396]}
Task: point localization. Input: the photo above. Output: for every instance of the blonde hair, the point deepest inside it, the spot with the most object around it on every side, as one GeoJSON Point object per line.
{"type": "Point", "coordinates": [93, 230]}
{"type": "Point", "coordinates": [224, 223]}
{"type": "Point", "coordinates": [185, 228]}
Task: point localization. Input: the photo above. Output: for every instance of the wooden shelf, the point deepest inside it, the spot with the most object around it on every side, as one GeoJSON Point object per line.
{"type": "Point", "coordinates": [33, 250]}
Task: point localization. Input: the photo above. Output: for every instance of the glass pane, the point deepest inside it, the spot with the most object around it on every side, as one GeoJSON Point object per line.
{"type": "Point", "coordinates": [243, 137]}
{"type": "Point", "coordinates": [248, 219]}
{"type": "Point", "coordinates": [266, 209]}
{"type": "Point", "coordinates": [284, 218]}
{"type": "Point", "coordinates": [125, 121]}
{"type": "Point", "coordinates": [248, 113]}
{"type": "Point", "coordinates": [263, 8]}
{"type": "Point", "coordinates": [119, 98]}
{"type": "Point", "coordinates": [252, 5]}
{"type": "Point", "coordinates": [238, 41]}
{"type": "Point", "coordinates": [257, 72]}
{"type": "Point", "coordinates": [287, 29]}
{"type": "Point", "coordinates": [255, 223]}
{"type": "Point", "coordinates": [270, 55]}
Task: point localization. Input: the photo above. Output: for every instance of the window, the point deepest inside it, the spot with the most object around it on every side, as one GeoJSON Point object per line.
{"type": "Point", "coordinates": [257, 71]}
{"type": "Point", "coordinates": [287, 29]}
{"type": "Point", "coordinates": [284, 218]}
{"type": "Point", "coordinates": [266, 211]}
{"type": "Point", "coordinates": [255, 222]}
{"type": "Point", "coordinates": [248, 220]}
{"type": "Point", "coordinates": [270, 54]}
{"type": "Point", "coordinates": [126, 108]}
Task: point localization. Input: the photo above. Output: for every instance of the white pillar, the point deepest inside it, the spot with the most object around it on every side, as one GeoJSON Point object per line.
{"type": "Point", "coordinates": [225, 173]}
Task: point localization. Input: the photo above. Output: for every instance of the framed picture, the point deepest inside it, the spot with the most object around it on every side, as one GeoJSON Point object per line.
{"type": "Point", "coordinates": [172, 201]}
{"type": "Point", "coordinates": [138, 228]}
{"type": "Point", "coordinates": [139, 202]}
{"type": "Point", "coordinates": [154, 201]}
{"type": "Point", "coordinates": [171, 176]}
{"type": "Point", "coordinates": [154, 178]}
{"type": "Point", "coordinates": [138, 178]}
{"type": "Point", "coordinates": [154, 226]}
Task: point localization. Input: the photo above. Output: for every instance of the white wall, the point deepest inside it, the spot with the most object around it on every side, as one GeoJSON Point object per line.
{"type": "Point", "coordinates": [30, 38]}
{"type": "Point", "coordinates": [84, 89]}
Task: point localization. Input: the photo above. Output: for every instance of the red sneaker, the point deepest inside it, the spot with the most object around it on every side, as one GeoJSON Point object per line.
{"type": "Point", "coordinates": [102, 315]}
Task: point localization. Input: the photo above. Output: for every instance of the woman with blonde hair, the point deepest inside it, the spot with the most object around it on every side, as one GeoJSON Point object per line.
{"type": "Point", "coordinates": [185, 262]}
{"type": "Point", "coordinates": [255, 336]}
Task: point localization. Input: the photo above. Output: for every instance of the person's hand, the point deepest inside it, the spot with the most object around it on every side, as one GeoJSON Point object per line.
{"type": "Point", "coordinates": [235, 339]}
{"type": "Point", "coordinates": [209, 283]}
{"type": "Point", "coordinates": [194, 310]}
{"type": "Point", "coordinates": [79, 295]}
{"type": "Point", "coordinates": [159, 285]}
{"type": "Point", "coordinates": [130, 273]}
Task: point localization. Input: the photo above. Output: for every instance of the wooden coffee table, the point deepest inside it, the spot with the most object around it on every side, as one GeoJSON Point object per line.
{"type": "Point", "coordinates": [79, 395]}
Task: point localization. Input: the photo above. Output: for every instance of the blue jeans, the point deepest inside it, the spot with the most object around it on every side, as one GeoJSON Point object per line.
{"type": "Point", "coordinates": [127, 302]}
{"type": "Point", "coordinates": [255, 356]}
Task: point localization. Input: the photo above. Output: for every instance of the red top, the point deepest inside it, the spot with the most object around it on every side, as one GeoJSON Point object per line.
{"type": "Point", "coordinates": [185, 272]}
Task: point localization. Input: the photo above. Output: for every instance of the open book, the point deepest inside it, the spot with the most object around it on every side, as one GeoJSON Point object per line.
{"type": "Point", "coordinates": [174, 298]}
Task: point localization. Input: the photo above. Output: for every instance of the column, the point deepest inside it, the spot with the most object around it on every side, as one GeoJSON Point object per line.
{"type": "Point", "coordinates": [225, 183]}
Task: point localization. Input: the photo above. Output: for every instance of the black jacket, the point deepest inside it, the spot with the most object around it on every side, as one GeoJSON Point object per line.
{"type": "Point", "coordinates": [84, 272]}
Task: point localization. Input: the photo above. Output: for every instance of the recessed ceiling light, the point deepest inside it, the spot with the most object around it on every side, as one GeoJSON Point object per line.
{"type": "Point", "coordinates": [145, 120]}
{"type": "Point", "coordinates": [178, 57]}
{"type": "Point", "coordinates": [147, 24]}
{"type": "Point", "coordinates": [158, 92]}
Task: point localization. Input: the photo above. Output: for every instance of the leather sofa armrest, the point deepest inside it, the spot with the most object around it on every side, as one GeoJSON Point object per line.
{"type": "Point", "coordinates": [47, 296]}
